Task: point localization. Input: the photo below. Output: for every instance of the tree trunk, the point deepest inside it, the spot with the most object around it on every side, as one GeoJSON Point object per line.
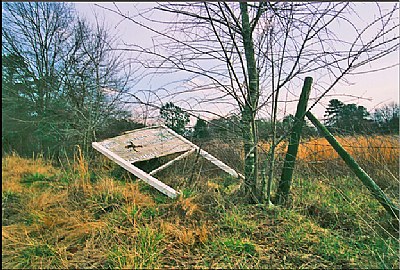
{"type": "Point", "coordinates": [252, 185]}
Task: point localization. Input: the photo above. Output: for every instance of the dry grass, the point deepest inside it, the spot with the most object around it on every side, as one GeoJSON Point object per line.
{"type": "Point", "coordinates": [55, 226]}
{"type": "Point", "coordinates": [379, 149]}
{"type": "Point", "coordinates": [377, 155]}
{"type": "Point", "coordinates": [382, 149]}
{"type": "Point", "coordinates": [181, 235]}
{"type": "Point", "coordinates": [14, 168]}
{"type": "Point", "coordinates": [72, 219]}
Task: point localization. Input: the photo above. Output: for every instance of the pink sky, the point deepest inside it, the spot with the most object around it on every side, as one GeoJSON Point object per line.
{"type": "Point", "coordinates": [375, 89]}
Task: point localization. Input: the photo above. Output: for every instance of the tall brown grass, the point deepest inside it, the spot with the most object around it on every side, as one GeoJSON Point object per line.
{"type": "Point", "coordinates": [70, 219]}
{"type": "Point", "coordinates": [377, 154]}
{"type": "Point", "coordinates": [14, 168]}
{"type": "Point", "coordinates": [55, 225]}
{"type": "Point", "coordinates": [385, 149]}
{"type": "Point", "coordinates": [382, 149]}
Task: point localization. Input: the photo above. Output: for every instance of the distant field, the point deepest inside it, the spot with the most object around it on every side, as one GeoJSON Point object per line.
{"type": "Point", "coordinates": [81, 216]}
{"type": "Point", "coordinates": [377, 155]}
{"type": "Point", "coordinates": [372, 148]}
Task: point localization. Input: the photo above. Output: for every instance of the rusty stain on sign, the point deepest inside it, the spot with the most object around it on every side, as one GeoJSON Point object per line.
{"type": "Point", "coordinates": [148, 143]}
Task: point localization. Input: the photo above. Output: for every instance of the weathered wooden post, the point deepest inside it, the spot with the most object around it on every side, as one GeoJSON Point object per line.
{"type": "Point", "coordinates": [361, 174]}
{"type": "Point", "coordinates": [290, 159]}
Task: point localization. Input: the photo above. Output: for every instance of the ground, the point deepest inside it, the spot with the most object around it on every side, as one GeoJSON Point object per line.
{"type": "Point", "coordinates": [81, 216]}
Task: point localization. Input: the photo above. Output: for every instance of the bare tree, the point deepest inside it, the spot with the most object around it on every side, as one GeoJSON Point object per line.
{"type": "Point", "coordinates": [95, 79]}
{"type": "Point", "coordinates": [252, 53]}
{"type": "Point", "coordinates": [34, 34]}
{"type": "Point", "coordinates": [57, 69]}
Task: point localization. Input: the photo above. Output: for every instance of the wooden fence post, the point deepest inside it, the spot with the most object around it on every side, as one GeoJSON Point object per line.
{"type": "Point", "coordinates": [376, 191]}
{"type": "Point", "coordinates": [290, 159]}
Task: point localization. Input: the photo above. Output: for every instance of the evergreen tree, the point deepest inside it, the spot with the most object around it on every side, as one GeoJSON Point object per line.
{"type": "Point", "coordinates": [201, 129]}
{"type": "Point", "coordinates": [332, 112]}
{"type": "Point", "coordinates": [175, 118]}
{"type": "Point", "coordinates": [352, 118]}
{"type": "Point", "coordinates": [346, 118]}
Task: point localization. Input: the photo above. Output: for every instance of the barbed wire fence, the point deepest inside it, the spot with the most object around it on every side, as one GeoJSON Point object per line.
{"type": "Point", "coordinates": [324, 188]}
{"type": "Point", "coordinates": [320, 166]}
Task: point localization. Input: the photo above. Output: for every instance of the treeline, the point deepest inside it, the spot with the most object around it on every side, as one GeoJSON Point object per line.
{"type": "Point", "coordinates": [58, 73]}
{"type": "Point", "coordinates": [347, 119]}
{"type": "Point", "coordinates": [340, 118]}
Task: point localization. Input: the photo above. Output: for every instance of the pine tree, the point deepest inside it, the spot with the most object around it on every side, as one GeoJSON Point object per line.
{"type": "Point", "coordinates": [201, 129]}
{"type": "Point", "coordinates": [332, 112]}
{"type": "Point", "coordinates": [175, 118]}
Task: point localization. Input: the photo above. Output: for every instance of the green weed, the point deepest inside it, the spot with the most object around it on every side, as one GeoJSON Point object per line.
{"type": "Point", "coordinates": [235, 221]}
{"type": "Point", "coordinates": [106, 202]}
{"type": "Point", "coordinates": [240, 247]}
{"type": "Point", "coordinates": [116, 258]}
{"type": "Point", "coordinates": [33, 178]}
{"type": "Point", "coordinates": [149, 213]}
{"type": "Point", "coordinates": [10, 206]}
{"type": "Point", "coordinates": [148, 248]}
{"type": "Point", "coordinates": [160, 198]}
{"type": "Point", "coordinates": [186, 193]}
{"type": "Point", "coordinates": [34, 256]}
{"type": "Point", "coordinates": [229, 252]}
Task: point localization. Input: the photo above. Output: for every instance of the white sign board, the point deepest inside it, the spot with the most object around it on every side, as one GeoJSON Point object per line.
{"type": "Point", "coordinates": [148, 143]}
{"type": "Point", "coordinates": [145, 144]}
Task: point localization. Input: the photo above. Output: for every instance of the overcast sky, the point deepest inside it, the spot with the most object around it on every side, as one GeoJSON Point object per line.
{"type": "Point", "coordinates": [375, 89]}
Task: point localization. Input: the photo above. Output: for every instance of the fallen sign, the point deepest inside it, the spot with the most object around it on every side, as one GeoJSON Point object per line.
{"type": "Point", "coordinates": [152, 142]}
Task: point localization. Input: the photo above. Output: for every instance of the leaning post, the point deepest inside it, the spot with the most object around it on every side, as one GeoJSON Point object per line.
{"type": "Point", "coordinates": [290, 159]}
{"type": "Point", "coordinates": [376, 191]}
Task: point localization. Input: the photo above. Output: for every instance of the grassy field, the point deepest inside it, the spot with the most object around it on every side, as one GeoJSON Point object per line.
{"type": "Point", "coordinates": [81, 216]}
